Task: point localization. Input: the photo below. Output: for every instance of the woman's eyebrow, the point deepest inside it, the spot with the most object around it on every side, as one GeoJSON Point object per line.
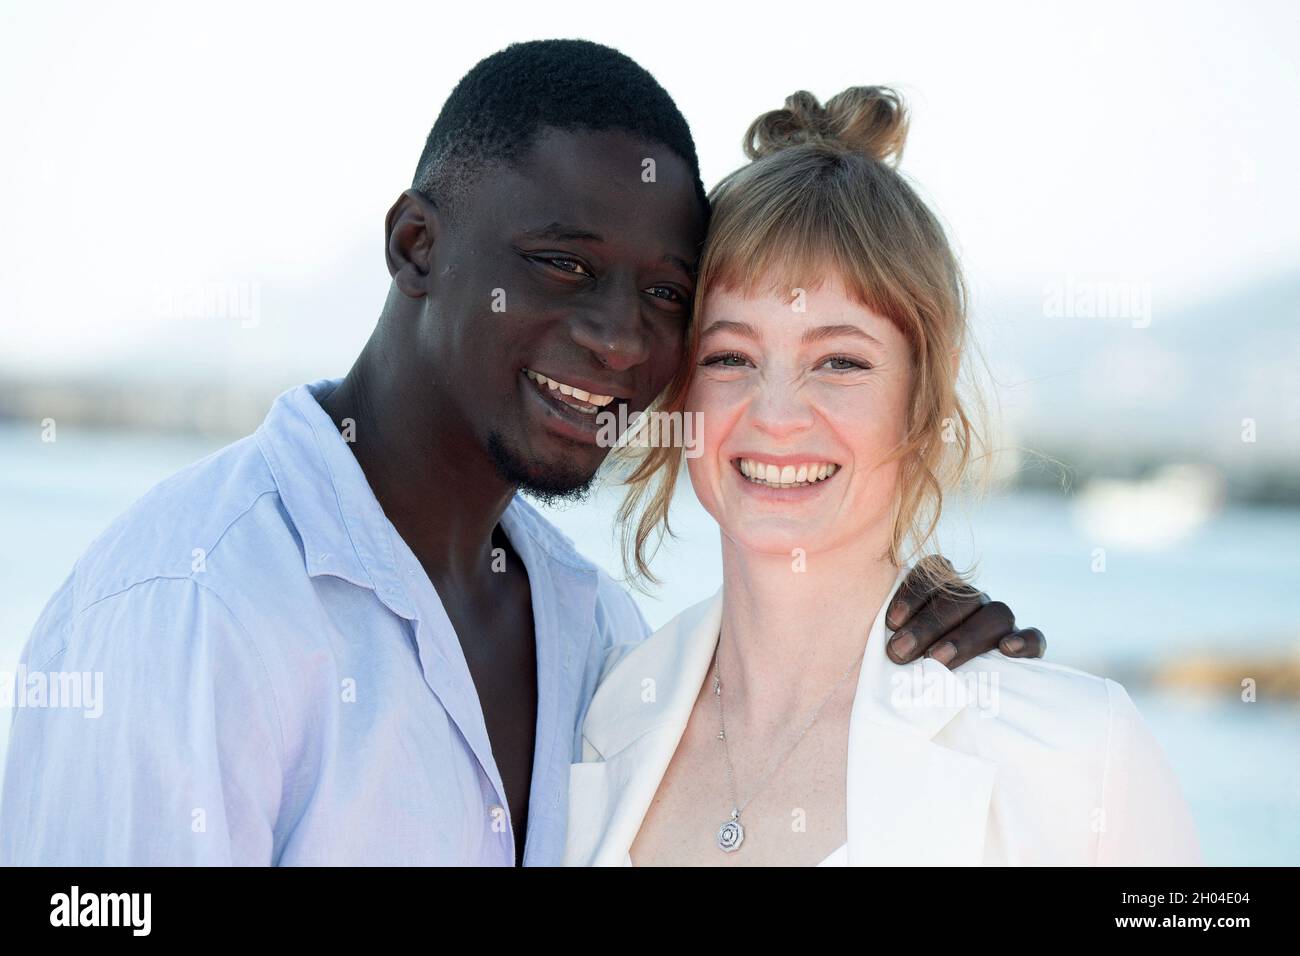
{"type": "Point", "coordinates": [819, 333]}
{"type": "Point", "coordinates": [728, 325]}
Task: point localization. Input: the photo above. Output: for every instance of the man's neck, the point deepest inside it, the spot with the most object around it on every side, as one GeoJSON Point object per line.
{"type": "Point", "coordinates": [430, 475]}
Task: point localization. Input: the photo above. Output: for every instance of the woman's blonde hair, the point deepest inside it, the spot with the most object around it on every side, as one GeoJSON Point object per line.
{"type": "Point", "coordinates": [822, 198]}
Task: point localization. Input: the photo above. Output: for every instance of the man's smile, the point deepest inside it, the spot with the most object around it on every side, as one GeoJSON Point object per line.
{"type": "Point", "coordinates": [576, 413]}
{"type": "Point", "coordinates": [580, 398]}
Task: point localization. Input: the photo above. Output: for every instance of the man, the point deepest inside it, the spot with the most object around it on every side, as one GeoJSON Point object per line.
{"type": "Point", "coordinates": [346, 639]}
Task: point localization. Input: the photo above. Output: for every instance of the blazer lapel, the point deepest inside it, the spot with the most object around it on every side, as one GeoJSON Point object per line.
{"type": "Point", "coordinates": [911, 801]}
{"type": "Point", "coordinates": [635, 722]}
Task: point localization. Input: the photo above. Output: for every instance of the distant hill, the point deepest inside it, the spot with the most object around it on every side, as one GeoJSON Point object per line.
{"type": "Point", "coordinates": [1118, 395]}
{"type": "Point", "coordinates": [1108, 395]}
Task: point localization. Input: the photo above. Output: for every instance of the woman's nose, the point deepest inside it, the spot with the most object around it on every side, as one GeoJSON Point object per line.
{"type": "Point", "coordinates": [778, 408]}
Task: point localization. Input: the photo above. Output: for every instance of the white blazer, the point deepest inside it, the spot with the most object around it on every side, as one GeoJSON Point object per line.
{"type": "Point", "coordinates": [1003, 761]}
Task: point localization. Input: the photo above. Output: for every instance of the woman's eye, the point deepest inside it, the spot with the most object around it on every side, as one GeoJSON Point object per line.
{"type": "Point", "coordinates": [841, 363]}
{"type": "Point", "coordinates": [727, 360]}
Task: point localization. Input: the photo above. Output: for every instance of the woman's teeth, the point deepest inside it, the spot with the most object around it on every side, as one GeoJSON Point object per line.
{"type": "Point", "coordinates": [578, 398]}
{"type": "Point", "coordinates": [788, 476]}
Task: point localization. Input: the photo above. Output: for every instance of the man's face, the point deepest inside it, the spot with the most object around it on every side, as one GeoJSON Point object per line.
{"type": "Point", "coordinates": [568, 268]}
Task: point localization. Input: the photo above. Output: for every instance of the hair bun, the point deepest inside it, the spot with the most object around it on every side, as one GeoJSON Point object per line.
{"type": "Point", "coordinates": [865, 119]}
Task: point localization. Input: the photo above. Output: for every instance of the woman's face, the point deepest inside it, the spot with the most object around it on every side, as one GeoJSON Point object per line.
{"type": "Point", "coordinates": [787, 395]}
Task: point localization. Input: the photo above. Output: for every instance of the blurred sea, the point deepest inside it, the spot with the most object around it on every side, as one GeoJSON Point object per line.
{"type": "Point", "coordinates": [1225, 587]}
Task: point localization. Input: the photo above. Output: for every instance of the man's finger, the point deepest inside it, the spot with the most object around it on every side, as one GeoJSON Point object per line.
{"type": "Point", "coordinates": [916, 590]}
{"type": "Point", "coordinates": [932, 621]}
{"type": "Point", "coordinates": [1028, 642]}
{"type": "Point", "coordinates": [972, 637]}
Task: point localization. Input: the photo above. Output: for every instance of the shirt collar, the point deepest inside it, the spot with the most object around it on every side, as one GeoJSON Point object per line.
{"type": "Point", "coordinates": [344, 531]}
{"type": "Point", "coordinates": [343, 528]}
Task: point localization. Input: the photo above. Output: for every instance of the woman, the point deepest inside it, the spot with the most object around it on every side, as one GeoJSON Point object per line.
{"type": "Point", "coordinates": [763, 726]}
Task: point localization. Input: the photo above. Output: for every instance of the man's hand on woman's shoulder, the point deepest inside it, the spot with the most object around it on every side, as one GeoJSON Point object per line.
{"type": "Point", "coordinates": [951, 624]}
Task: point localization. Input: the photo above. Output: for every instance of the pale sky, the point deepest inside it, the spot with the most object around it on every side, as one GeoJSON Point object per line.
{"type": "Point", "coordinates": [156, 146]}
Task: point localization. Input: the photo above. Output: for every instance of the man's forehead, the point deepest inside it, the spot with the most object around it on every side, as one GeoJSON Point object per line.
{"type": "Point", "coordinates": [586, 190]}
{"type": "Point", "coordinates": [583, 146]}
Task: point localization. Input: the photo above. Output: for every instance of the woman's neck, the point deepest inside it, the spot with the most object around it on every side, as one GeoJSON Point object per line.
{"type": "Point", "coordinates": [790, 631]}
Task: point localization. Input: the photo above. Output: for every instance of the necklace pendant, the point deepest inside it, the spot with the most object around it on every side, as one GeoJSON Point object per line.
{"type": "Point", "coordinates": [731, 834]}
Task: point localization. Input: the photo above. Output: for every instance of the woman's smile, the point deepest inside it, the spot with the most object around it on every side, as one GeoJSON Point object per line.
{"type": "Point", "coordinates": [763, 471]}
{"type": "Point", "coordinates": [781, 480]}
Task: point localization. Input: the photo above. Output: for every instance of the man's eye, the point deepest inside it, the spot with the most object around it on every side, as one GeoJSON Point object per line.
{"type": "Point", "coordinates": [667, 293]}
{"type": "Point", "coordinates": [572, 266]}
{"type": "Point", "coordinates": [727, 360]}
{"type": "Point", "coordinates": [842, 363]}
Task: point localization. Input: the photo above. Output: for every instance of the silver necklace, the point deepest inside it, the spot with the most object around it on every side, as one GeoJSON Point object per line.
{"type": "Point", "coordinates": [732, 834]}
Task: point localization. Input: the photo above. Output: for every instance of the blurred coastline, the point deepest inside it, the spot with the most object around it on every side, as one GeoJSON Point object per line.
{"type": "Point", "coordinates": [1109, 390]}
{"type": "Point", "coordinates": [1165, 440]}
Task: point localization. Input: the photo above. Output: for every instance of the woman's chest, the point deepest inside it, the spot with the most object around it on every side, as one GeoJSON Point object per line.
{"type": "Point", "coordinates": [789, 794]}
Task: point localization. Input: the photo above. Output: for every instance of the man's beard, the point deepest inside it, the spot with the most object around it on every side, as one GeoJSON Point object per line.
{"type": "Point", "coordinates": [548, 486]}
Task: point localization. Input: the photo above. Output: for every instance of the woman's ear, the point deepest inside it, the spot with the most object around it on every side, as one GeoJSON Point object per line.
{"type": "Point", "coordinates": [410, 230]}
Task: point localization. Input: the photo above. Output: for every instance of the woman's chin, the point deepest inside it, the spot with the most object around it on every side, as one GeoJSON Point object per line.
{"type": "Point", "coordinates": [785, 539]}
{"type": "Point", "coordinates": [761, 530]}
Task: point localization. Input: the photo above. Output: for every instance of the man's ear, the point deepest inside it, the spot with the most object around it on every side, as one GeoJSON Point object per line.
{"type": "Point", "coordinates": [410, 230]}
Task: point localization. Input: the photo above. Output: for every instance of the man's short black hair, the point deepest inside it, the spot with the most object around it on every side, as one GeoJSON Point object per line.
{"type": "Point", "coordinates": [498, 108]}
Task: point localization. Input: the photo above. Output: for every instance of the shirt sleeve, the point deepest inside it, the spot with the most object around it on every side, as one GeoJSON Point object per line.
{"type": "Point", "coordinates": [1146, 821]}
{"type": "Point", "coordinates": [170, 752]}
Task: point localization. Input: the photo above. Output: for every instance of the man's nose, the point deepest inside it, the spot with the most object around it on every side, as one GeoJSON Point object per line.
{"type": "Point", "coordinates": [613, 332]}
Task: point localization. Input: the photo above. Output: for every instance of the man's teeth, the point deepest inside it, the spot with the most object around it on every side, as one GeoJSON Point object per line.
{"type": "Point", "coordinates": [787, 476]}
{"type": "Point", "coordinates": [574, 397]}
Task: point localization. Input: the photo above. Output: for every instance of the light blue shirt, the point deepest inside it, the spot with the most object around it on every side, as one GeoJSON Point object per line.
{"type": "Point", "coordinates": [278, 682]}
